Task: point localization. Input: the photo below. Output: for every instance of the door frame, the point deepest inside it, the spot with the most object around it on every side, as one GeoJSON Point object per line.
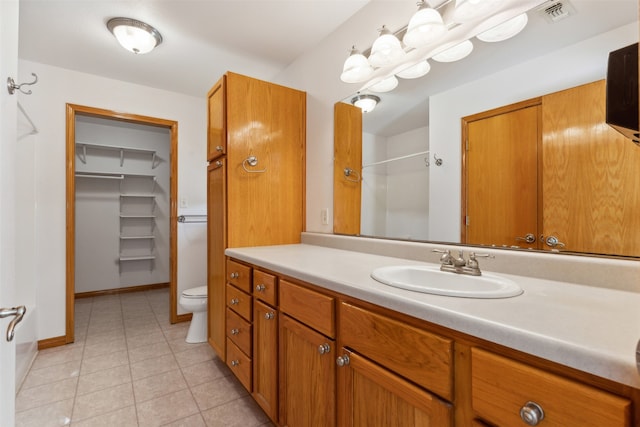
{"type": "Point", "coordinates": [72, 110]}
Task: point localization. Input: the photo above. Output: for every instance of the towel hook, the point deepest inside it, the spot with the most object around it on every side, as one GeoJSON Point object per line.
{"type": "Point", "coordinates": [12, 86]}
{"type": "Point", "coordinates": [438, 160]}
{"type": "Point", "coordinates": [348, 172]}
{"type": "Point", "coordinates": [251, 161]}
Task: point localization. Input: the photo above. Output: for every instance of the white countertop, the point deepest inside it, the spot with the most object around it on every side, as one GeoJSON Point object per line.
{"type": "Point", "coordinates": [592, 329]}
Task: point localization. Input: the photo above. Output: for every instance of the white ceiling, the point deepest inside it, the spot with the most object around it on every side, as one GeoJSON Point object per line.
{"type": "Point", "coordinates": [202, 38]}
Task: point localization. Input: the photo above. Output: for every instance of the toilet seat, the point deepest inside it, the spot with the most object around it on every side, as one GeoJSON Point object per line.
{"type": "Point", "coordinates": [199, 292]}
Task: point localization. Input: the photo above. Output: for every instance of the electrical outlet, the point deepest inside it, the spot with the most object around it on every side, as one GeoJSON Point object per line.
{"type": "Point", "coordinates": [324, 214]}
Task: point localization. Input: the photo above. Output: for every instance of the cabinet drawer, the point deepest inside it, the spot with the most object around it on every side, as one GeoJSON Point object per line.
{"type": "Point", "coordinates": [239, 331]}
{"type": "Point", "coordinates": [422, 357]}
{"type": "Point", "coordinates": [239, 301]}
{"type": "Point", "coordinates": [312, 308]}
{"type": "Point", "coordinates": [239, 275]}
{"type": "Point", "coordinates": [240, 364]}
{"type": "Point", "coordinates": [500, 387]}
{"type": "Point", "coordinates": [265, 287]}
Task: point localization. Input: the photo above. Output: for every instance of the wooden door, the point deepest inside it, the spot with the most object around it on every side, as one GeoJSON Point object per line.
{"type": "Point", "coordinates": [500, 176]}
{"type": "Point", "coordinates": [216, 244]}
{"type": "Point", "coordinates": [217, 129]}
{"type": "Point", "coordinates": [369, 395]}
{"type": "Point", "coordinates": [266, 201]}
{"type": "Point", "coordinates": [347, 154]}
{"type": "Point", "coordinates": [591, 175]}
{"type": "Point", "coordinates": [307, 377]}
{"type": "Point", "coordinates": [265, 358]}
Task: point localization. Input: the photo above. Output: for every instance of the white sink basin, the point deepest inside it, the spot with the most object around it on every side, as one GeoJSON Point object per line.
{"type": "Point", "coordinates": [432, 280]}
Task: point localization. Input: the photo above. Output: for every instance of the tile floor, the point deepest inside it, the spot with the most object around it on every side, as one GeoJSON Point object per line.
{"type": "Point", "coordinates": [130, 367]}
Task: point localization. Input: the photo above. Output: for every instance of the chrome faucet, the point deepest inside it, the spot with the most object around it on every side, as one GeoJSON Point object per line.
{"type": "Point", "coordinates": [458, 264]}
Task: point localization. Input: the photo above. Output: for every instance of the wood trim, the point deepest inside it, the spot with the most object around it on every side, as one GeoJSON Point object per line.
{"type": "Point", "coordinates": [52, 342]}
{"type": "Point", "coordinates": [116, 291]}
{"type": "Point", "coordinates": [71, 111]}
{"type": "Point", "coordinates": [186, 317]}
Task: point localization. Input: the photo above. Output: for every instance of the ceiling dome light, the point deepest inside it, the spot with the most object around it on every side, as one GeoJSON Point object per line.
{"type": "Point", "coordinates": [416, 70]}
{"type": "Point", "coordinates": [365, 102]}
{"type": "Point", "coordinates": [425, 26]}
{"type": "Point", "coordinates": [505, 30]}
{"type": "Point", "coordinates": [386, 85]}
{"type": "Point", "coordinates": [386, 49]}
{"type": "Point", "coordinates": [135, 36]}
{"type": "Point", "coordinates": [455, 53]}
{"type": "Point", "coordinates": [468, 10]}
{"type": "Point", "coordinates": [356, 68]}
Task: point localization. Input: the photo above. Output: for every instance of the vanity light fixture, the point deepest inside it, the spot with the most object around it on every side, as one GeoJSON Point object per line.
{"type": "Point", "coordinates": [454, 53]}
{"type": "Point", "coordinates": [356, 67]}
{"type": "Point", "coordinates": [386, 50]}
{"type": "Point", "coordinates": [414, 71]}
{"type": "Point", "coordinates": [425, 26]}
{"type": "Point", "coordinates": [386, 85]}
{"type": "Point", "coordinates": [365, 102]}
{"type": "Point", "coordinates": [135, 36]}
{"type": "Point", "coordinates": [468, 10]}
{"type": "Point", "coordinates": [506, 30]}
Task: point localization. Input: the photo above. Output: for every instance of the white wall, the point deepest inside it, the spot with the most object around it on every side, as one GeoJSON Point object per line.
{"type": "Point", "coordinates": [581, 63]}
{"type": "Point", "coordinates": [46, 107]}
{"type": "Point", "coordinates": [373, 212]}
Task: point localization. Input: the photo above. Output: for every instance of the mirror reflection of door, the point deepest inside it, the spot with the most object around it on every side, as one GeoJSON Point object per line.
{"type": "Point", "coordinates": [500, 175]}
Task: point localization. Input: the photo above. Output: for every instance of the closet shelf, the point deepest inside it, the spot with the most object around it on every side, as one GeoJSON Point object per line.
{"type": "Point", "coordinates": [137, 237]}
{"type": "Point", "coordinates": [136, 216]}
{"type": "Point", "coordinates": [151, 196]}
{"type": "Point", "coordinates": [99, 175]}
{"type": "Point", "coordinates": [136, 258]}
{"type": "Point", "coordinates": [82, 153]}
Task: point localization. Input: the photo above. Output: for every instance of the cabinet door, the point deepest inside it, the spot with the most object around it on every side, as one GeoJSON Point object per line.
{"type": "Point", "coordinates": [369, 395]}
{"type": "Point", "coordinates": [307, 376]}
{"type": "Point", "coordinates": [217, 129]}
{"type": "Point", "coordinates": [265, 358]}
{"type": "Point", "coordinates": [216, 244]}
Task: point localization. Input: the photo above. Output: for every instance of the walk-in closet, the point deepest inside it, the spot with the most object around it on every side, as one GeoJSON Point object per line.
{"type": "Point", "coordinates": [122, 209]}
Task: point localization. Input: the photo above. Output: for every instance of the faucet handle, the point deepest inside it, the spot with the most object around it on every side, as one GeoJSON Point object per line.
{"type": "Point", "coordinates": [473, 259]}
{"type": "Point", "coordinates": [446, 255]}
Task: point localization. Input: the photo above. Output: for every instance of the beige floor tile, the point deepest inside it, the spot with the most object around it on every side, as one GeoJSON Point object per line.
{"type": "Point", "coordinates": [103, 379]}
{"type": "Point", "coordinates": [149, 351]}
{"type": "Point", "coordinates": [124, 417]}
{"type": "Point", "coordinates": [192, 421]}
{"type": "Point", "coordinates": [46, 394]}
{"type": "Point", "coordinates": [102, 402]}
{"type": "Point", "coordinates": [195, 355]}
{"type": "Point", "coordinates": [243, 412]}
{"type": "Point", "coordinates": [180, 345]}
{"type": "Point", "coordinates": [166, 409]}
{"type": "Point", "coordinates": [217, 392]}
{"type": "Point", "coordinates": [154, 366]}
{"type": "Point", "coordinates": [105, 347]}
{"type": "Point", "coordinates": [145, 339]}
{"type": "Point", "coordinates": [53, 415]}
{"type": "Point", "coordinates": [106, 361]}
{"type": "Point", "coordinates": [58, 356]}
{"type": "Point", "coordinates": [178, 331]}
{"type": "Point", "coordinates": [96, 338]}
{"type": "Point", "coordinates": [158, 385]}
{"type": "Point", "coordinates": [37, 377]}
{"type": "Point", "coordinates": [205, 371]}
{"type": "Point", "coordinates": [142, 329]}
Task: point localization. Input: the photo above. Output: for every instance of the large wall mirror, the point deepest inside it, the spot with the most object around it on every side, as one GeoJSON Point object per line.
{"type": "Point", "coordinates": [404, 180]}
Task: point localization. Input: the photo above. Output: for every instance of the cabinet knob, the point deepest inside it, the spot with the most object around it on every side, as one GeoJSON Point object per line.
{"type": "Point", "coordinates": [261, 287]}
{"type": "Point", "coordinates": [235, 331]}
{"type": "Point", "coordinates": [324, 348]}
{"type": "Point", "coordinates": [234, 275]}
{"type": "Point", "coordinates": [531, 413]}
{"type": "Point", "coordinates": [269, 315]}
{"type": "Point", "coordinates": [235, 362]}
{"type": "Point", "coordinates": [219, 148]}
{"type": "Point", "coordinates": [234, 301]}
{"type": "Point", "coordinates": [342, 360]}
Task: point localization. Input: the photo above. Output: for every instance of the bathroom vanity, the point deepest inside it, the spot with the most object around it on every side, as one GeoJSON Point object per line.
{"type": "Point", "coordinates": [319, 342]}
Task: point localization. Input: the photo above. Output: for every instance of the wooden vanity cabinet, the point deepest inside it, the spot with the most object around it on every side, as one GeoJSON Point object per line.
{"type": "Point", "coordinates": [238, 322]}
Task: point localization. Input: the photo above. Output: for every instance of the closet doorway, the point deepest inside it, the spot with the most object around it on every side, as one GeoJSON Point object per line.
{"type": "Point", "coordinates": [123, 190]}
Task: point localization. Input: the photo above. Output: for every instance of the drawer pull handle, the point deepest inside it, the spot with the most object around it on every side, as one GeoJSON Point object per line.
{"type": "Point", "coordinates": [261, 287]}
{"type": "Point", "coordinates": [324, 348]}
{"type": "Point", "coordinates": [269, 316]}
{"type": "Point", "coordinates": [234, 275]}
{"type": "Point", "coordinates": [531, 413]}
{"type": "Point", "coordinates": [234, 301]}
{"type": "Point", "coordinates": [235, 362]}
{"type": "Point", "coordinates": [342, 360]}
{"type": "Point", "coordinates": [235, 331]}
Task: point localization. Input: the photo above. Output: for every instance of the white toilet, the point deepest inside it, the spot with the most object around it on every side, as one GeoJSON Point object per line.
{"type": "Point", "coordinates": [195, 300]}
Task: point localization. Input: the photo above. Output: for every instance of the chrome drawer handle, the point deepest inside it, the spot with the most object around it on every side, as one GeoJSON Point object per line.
{"type": "Point", "coordinates": [342, 360]}
{"type": "Point", "coordinates": [531, 413]}
{"type": "Point", "coordinates": [261, 287]}
{"type": "Point", "coordinates": [235, 362]}
{"type": "Point", "coordinates": [234, 301]}
{"type": "Point", "coordinates": [269, 316]}
{"type": "Point", "coordinates": [234, 275]}
{"type": "Point", "coordinates": [235, 331]}
{"type": "Point", "coordinates": [324, 348]}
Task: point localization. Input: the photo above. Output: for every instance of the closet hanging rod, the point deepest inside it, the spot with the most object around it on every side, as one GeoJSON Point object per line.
{"type": "Point", "coordinates": [394, 159]}
{"type": "Point", "coordinates": [105, 176]}
{"type": "Point", "coordinates": [192, 218]}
